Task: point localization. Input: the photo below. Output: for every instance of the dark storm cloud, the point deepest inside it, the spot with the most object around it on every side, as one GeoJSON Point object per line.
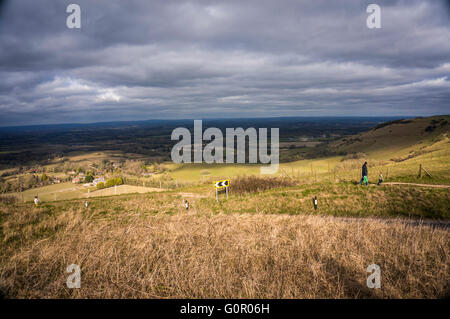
{"type": "Point", "coordinates": [192, 59]}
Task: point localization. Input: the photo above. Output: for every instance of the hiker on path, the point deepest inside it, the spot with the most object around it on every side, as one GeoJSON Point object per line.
{"type": "Point", "coordinates": [186, 204]}
{"type": "Point", "coordinates": [380, 179]}
{"type": "Point", "coordinates": [36, 200]}
{"type": "Point", "coordinates": [86, 204]}
{"type": "Point", "coordinates": [364, 175]}
{"type": "Point", "coordinates": [315, 202]}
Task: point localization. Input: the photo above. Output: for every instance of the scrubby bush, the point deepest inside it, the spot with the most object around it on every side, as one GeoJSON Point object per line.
{"type": "Point", "coordinates": [251, 184]}
{"type": "Point", "coordinates": [114, 181]}
{"type": "Point", "coordinates": [89, 178]}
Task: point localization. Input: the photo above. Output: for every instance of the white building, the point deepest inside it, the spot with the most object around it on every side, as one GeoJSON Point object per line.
{"type": "Point", "coordinates": [98, 180]}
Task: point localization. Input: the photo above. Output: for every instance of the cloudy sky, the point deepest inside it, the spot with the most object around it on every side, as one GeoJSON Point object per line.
{"type": "Point", "coordinates": [149, 59]}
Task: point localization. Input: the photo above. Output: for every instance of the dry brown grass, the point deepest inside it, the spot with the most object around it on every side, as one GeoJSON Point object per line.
{"type": "Point", "coordinates": [136, 255]}
{"type": "Point", "coordinates": [252, 184]}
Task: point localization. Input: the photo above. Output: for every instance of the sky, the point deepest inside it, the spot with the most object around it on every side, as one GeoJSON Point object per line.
{"type": "Point", "coordinates": [139, 60]}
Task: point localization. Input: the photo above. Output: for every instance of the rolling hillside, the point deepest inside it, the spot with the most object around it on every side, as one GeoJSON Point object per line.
{"type": "Point", "coordinates": [397, 138]}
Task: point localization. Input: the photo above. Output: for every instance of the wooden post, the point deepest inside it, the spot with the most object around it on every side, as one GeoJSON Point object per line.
{"type": "Point", "coordinates": [160, 184]}
{"type": "Point", "coordinates": [328, 167]}
{"type": "Point", "coordinates": [420, 171]}
{"type": "Point", "coordinates": [217, 196]}
{"type": "Point", "coordinates": [227, 191]}
{"type": "Point", "coordinates": [387, 172]}
{"type": "Point", "coordinates": [426, 172]}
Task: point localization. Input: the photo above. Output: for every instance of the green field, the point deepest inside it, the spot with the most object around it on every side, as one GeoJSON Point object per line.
{"type": "Point", "coordinates": [53, 192]}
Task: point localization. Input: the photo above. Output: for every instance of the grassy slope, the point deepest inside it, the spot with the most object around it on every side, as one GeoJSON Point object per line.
{"type": "Point", "coordinates": [398, 147]}
{"type": "Point", "coordinates": [396, 139]}
{"type": "Point", "coordinates": [147, 246]}
{"type": "Point", "coordinates": [269, 244]}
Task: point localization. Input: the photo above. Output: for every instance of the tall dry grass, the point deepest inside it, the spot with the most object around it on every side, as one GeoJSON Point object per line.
{"type": "Point", "coordinates": [197, 255]}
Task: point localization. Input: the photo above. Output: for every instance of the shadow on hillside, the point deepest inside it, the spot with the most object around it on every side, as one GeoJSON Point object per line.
{"type": "Point", "coordinates": [2, 295]}
{"type": "Point", "coordinates": [351, 285]}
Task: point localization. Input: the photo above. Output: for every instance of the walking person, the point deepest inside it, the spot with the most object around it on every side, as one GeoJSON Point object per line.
{"type": "Point", "coordinates": [36, 200]}
{"type": "Point", "coordinates": [86, 204]}
{"type": "Point", "coordinates": [364, 175]}
{"type": "Point", "coordinates": [186, 205]}
{"type": "Point", "coordinates": [315, 202]}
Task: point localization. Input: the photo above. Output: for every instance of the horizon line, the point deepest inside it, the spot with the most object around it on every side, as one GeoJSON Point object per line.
{"type": "Point", "coordinates": [219, 118]}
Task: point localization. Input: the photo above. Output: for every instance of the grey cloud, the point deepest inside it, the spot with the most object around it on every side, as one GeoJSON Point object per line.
{"type": "Point", "coordinates": [187, 59]}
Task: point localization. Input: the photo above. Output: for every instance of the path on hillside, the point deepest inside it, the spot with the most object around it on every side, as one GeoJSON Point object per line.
{"type": "Point", "coordinates": [434, 223]}
{"type": "Point", "coordinates": [415, 184]}
{"type": "Point", "coordinates": [194, 195]}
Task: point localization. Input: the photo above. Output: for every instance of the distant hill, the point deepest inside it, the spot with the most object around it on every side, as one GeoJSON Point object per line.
{"type": "Point", "coordinates": [396, 137]}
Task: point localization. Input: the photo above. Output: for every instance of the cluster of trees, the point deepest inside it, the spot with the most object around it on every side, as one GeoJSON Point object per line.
{"type": "Point", "coordinates": [134, 167]}
{"type": "Point", "coordinates": [89, 178]}
{"type": "Point", "coordinates": [138, 168]}
{"type": "Point", "coordinates": [110, 182]}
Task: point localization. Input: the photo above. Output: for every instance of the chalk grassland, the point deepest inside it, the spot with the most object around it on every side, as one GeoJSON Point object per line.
{"type": "Point", "coordinates": [402, 166]}
{"type": "Point", "coordinates": [123, 189]}
{"type": "Point", "coordinates": [66, 191]}
{"type": "Point", "coordinates": [264, 242]}
{"type": "Point", "coordinates": [131, 247]}
{"type": "Point", "coordinates": [51, 192]}
{"type": "Point", "coordinates": [434, 158]}
{"type": "Point", "coordinates": [396, 149]}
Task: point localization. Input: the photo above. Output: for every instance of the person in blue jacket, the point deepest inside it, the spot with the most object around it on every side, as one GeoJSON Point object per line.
{"type": "Point", "coordinates": [364, 175]}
